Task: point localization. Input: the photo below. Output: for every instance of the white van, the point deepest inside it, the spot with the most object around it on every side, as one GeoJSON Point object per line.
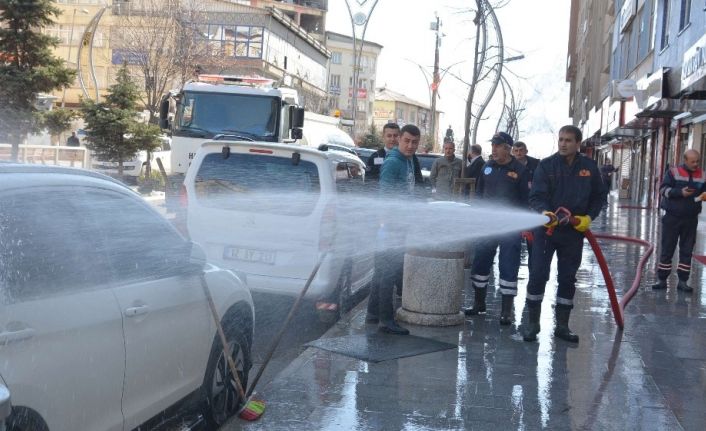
{"type": "Point", "coordinates": [270, 210]}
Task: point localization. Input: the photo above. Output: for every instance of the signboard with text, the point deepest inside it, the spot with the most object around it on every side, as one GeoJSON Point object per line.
{"type": "Point", "coordinates": [362, 93]}
{"type": "Point", "coordinates": [693, 67]}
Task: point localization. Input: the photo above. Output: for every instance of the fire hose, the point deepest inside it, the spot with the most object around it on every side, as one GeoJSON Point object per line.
{"type": "Point", "coordinates": [564, 217]}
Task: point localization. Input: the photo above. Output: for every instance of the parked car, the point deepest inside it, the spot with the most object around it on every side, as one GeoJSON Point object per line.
{"type": "Point", "coordinates": [135, 166]}
{"type": "Point", "coordinates": [425, 163]}
{"type": "Point", "coordinates": [364, 154]}
{"type": "Point", "coordinates": [104, 323]}
{"type": "Point", "coordinates": [271, 210]}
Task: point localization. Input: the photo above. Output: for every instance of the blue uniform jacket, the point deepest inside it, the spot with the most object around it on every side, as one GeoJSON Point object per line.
{"type": "Point", "coordinates": [506, 183]}
{"type": "Point", "coordinates": [578, 187]}
{"type": "Point", "coordinates": [675, 179]}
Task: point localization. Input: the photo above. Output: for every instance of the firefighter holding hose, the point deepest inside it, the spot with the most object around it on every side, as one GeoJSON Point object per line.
{"type": "Point", "coordinates": [570, 180]}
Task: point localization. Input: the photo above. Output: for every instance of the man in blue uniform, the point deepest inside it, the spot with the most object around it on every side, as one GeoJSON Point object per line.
{"type": "Point", "coordinates": [503, 181]}
{"type": "Point", "coordinates": [570, 180]}
{"type": "Point", "coordinates": [682, 191]}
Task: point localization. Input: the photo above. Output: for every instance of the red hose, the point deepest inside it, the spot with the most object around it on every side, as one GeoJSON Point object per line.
{"type": "Point", "coordinates": [618, 307]}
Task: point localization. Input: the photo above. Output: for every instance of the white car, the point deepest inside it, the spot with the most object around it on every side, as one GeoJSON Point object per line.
{"type": "Point", "coordinates": [271, 210]}
{"type": "Point", "coordinates": [104, 323]}
{"type": "Point", "coordinates": [134, 167]}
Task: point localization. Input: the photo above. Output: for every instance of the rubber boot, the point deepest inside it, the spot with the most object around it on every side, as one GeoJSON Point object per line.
{"type": "Point", "coordinates": [506, 310]}
{"type": "Point", "coordinates": [660, 285]}
{"type": "Point", "coordinates": [478, 303]}
{"type": "Point", "coordinates": [562, 313]}
{"type": "Point", "coordinates": [530, 325]}
{"type": "Point", "coordinates": [682, 285]}
{"type": "Point", "coordinates": [386, 312]}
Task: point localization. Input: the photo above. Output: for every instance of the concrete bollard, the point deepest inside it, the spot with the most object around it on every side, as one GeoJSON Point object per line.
{"type": "Point", "coordinates": [433, 283]}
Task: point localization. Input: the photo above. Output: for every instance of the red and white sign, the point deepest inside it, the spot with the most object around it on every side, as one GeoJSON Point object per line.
{"type": "Point", "coordinates": [362, 93]}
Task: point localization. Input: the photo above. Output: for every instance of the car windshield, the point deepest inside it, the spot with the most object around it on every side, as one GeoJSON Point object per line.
{"type": "Point", "coordinates": [425, 162]}
{"type": "Point", "coordinates": [208, 114]}
{"type": "Point", "coordinates": [258, 183]}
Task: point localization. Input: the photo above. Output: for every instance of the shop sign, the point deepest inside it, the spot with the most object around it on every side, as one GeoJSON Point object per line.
{"type": "Point", "coordinates": [613, 120]}
{"type": "Point", "coordinates": [362, 93]}
{"type": "Point", "coordinates": [650, 89]}
{"type": "Point", "coordinates": [693, 67]}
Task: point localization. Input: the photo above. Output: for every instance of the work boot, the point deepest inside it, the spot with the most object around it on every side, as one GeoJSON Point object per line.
{"type": "Point", "coordinates": [530, 324]}
{"type": "Point", "coordinates": [478, 303]}
{"type": "Point", "coordinates": [682, 285]}
{"type": "Point", "coordinates": [660, 285]}
{"type": "Point", "coordinates": [562, 313]}
{"type": "Point", "coordinates": [391, 327]}
{"type": "Point", "coordinates": [506, 310]}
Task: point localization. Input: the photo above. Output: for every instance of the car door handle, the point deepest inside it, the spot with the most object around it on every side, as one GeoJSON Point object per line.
{"type": "Point", "coordinates": [8, 337]}
{"type": "Point", "coordinates": [137, 311]}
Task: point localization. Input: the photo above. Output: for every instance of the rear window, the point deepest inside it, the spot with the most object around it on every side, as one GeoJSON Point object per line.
{"type": "Point", "coordinates": [258, 183]}
{"type": "Point", "coordinates": [426, 162]}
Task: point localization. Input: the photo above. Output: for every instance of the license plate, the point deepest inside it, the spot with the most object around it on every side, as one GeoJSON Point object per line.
{"type": "Point", "coordinates": [249, 255]}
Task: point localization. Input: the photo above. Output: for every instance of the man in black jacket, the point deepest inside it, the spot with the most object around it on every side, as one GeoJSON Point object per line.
{"type": "Point", "coordinates": [683, 189]}
{"type": "Point", "coordinates": [474, 165]}
{"type": "Point", "coordinates": [566, 179]}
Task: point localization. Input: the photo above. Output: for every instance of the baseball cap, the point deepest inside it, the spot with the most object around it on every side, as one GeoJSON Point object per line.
{"type": "Point", "coordinates": [502, 138]}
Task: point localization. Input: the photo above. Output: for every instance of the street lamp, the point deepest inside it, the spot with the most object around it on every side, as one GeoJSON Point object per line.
{"type": "Point", "coordinates": [358, 19]}
{"type": "Point", "coordinates": [71, 44]}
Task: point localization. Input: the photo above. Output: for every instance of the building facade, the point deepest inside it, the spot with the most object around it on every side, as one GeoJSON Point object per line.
{"type": "Point", "coordinates": [232, 37]}
{"type": "Point", "coordinates": [638, 84]}
{"type": "Point", "coordinates": [393, 107]}
{"type": "Point", "coordinates": [340, 80]}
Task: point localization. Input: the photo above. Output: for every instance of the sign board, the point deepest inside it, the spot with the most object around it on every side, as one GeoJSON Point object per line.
{"type": "Point", "coordinates": [613, 119]}
{"type": "Point", "coordinates": [650, 89]}
{"type": "Point", "coordinates": [121, 56]}
{"type": "Point", "coordinates": [693, 67]}
{"type": "Point", "coordinates": [362, 93]}
{"type": "Point", "coordinates": [627, 13]}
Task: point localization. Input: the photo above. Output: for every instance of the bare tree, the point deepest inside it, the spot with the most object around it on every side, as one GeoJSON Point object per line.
{"type": "Point", "coordinates": [163, 42]}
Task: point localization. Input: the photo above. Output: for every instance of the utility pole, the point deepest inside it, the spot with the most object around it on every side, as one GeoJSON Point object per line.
{"type": "Point", "coordinates": [435, 81]}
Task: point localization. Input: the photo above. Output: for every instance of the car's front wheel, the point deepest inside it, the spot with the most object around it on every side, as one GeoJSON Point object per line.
{"type": "Point", "coordinates": [222, 397]}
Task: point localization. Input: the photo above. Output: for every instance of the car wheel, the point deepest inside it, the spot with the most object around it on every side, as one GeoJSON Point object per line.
{"type": "Point", "coordinates": [222, 397]}
{"type": "Point", "coordinates": [25, 420]}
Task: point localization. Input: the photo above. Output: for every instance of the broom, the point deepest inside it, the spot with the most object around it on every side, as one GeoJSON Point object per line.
{"type": "Point", "coordinates": [252, 409]}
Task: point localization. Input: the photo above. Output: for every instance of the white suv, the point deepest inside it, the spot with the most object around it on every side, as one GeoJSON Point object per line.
{"type": "Point", "coordinates": [103, 320]}
{"type": "Point", "coordinates": [271, 210]}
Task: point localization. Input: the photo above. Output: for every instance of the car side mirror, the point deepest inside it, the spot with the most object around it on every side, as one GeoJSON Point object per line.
{"type": "Point", "coordinates": [164, 114]}
{"type": "Point", "coordinates": [197, 256]}
{"type": "Point", "coordinates": [296, 117]}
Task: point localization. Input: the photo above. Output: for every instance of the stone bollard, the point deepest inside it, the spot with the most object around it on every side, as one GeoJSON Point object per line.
{"type": "Point", "coordinates": [433, 287]}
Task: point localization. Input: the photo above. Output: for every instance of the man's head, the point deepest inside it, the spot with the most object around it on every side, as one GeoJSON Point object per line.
{"type": "Point", "coordinates": [519, 150]}
{"type": "Point", "coordinates": [409, 140]}
{"type": "Point", "coordinates": [390, 135]}
{"type": "Point", "coordinates": [569, 141]}
{"type": "Point", "coordinates": [691, 159]}
{"type": "Point", "coordinates": [476, 150]}
{"type": "Point", "coordinates": [73, 134]}
{"type": "Point", "coordinates": [501, 147]}
{"type": "Point", "coordinates": [449, 150]}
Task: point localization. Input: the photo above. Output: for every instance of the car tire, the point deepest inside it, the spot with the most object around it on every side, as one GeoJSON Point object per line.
{"type": "Point", "coordinates": [25, 420]}
{"type": "Point", "coordinates": [222, 399]}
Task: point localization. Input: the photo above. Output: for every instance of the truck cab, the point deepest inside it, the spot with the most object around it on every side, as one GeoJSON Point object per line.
{"type": "Point", "coordinates": [215, 107]}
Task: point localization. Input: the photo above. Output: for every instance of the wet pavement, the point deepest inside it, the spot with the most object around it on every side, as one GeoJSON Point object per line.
{"type": "Point", "coordinates": [652, 375]}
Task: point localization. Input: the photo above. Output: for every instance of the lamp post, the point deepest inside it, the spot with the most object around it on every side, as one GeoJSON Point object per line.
{"type": "Point", "coordinates": [358, 19]}
{"type": "Point", "coordinates": [436, 26]}
{"type": "Point", "coordinates": [71, 44]}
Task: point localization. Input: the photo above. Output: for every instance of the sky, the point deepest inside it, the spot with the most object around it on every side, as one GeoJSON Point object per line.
{"type": "Point", "coordinates": [538, 29]}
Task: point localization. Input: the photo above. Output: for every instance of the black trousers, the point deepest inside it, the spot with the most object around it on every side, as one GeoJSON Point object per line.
{"type": "Point", "coordinates": [387, 274]}
{"type": "Point", "coordinates": [567, 243]}
{"type": "Point", "coordinates": [677, 230]}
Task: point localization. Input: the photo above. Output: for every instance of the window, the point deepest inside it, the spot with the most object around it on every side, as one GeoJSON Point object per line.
{"type": "Point", "coordinates": [685, 14]}
{"type": "Point", "coordinates": [238, 41]}
{"type": "Point", "coordinates": [63, 32]}
{"type": "Point", "coordinates": [336, 57]}
{"type": "Point", "coordinates": [335, 84]}
{"type": "Point", "coordinates": [258, 183]}
{"type": "Point", "coordinates": [140, 245]}
{"type": "Point", "coordinates": [48, 246]}
{"type": "Point", "coordinates": [664, 41]}
{"type": "Point", "coordinates": [349, 177]}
